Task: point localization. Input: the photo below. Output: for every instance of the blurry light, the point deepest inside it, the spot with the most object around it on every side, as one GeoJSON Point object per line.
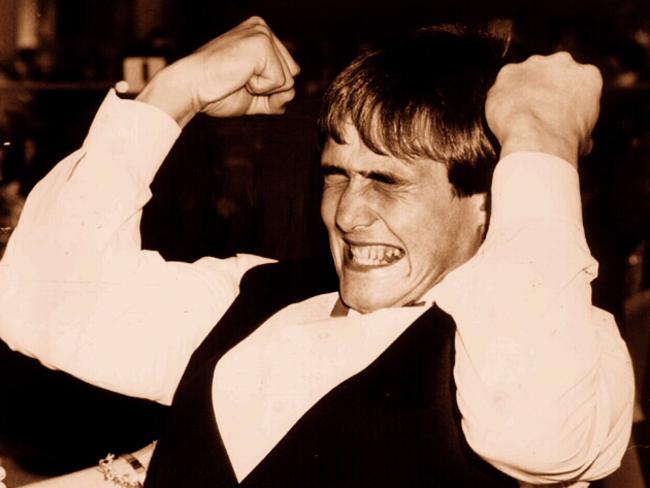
{"type": "Point", "coordinates": [642, 37]}
{"type": "Point", "coordinates": [6, 143]}
{"type": "Point", "coordinates": [27, 24]}
{"type": "Point", "coordinates": [122, 87]}
{"type": "Point", "coordinates": [634, 260]}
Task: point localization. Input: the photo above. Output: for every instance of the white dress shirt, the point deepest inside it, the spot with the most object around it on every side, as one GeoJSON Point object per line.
{"type": "Point", "coordinates": [544, 380]}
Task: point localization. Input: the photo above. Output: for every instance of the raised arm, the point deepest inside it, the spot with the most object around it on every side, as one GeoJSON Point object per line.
{"type": "Point", "coordinates": [544, 379]}
{"type": "Point", "coordinates": [78, 292]}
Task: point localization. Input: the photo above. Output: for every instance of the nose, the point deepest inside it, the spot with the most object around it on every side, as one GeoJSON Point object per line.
{"type": "Point", "coordinates": [354, 210]}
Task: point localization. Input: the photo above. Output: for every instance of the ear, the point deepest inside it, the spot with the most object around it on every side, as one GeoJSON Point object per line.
{"type": "Point", "coordinates": [481, 204]}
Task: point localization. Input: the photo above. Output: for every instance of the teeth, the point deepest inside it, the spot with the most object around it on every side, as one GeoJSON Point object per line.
{"type": "Point", "coordinates": [375, 255]}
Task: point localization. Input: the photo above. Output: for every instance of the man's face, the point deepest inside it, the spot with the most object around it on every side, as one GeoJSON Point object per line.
{"type": "Point", "coordinates": [395, 227]}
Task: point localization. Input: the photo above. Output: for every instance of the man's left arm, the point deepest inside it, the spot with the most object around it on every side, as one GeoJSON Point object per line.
{"type": "Point", "coordinates": [544, 380]}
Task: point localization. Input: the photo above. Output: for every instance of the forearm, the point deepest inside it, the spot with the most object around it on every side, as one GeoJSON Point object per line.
{"type": "Point", "coordinates": [534, 359]}
{"type": "Point", "coordinates": [170, 91]}
{"type": "Point", "coordinates": [86, 478]}
{"type": "Point", "coordinates": [544, 380]}
{"type": "Point", "coordinates": [132, 467]}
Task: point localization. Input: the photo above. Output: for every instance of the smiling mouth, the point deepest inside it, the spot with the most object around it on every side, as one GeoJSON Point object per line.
{"type": "Point", "coordinates": [363, 255]}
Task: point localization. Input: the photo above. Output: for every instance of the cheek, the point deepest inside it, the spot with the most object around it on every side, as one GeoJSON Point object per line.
{"type": "Point", "coordinates": [328, 205]}
{"type": "Point", "coordinates": [452, 239]}
{"type": "Point", "coordinates": [430, 236]}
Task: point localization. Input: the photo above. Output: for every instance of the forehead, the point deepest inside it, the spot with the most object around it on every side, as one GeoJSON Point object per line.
{"type": "Point", "coordinates": [355, 156]}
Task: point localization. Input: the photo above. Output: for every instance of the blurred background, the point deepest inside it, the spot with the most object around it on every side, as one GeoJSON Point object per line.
{"type": "Point", "coordinates": [253, 184]}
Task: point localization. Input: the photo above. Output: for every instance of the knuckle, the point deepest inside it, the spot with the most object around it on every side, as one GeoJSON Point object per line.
{"type": "Point", "coordinates": [593, 72]}
{"type": "Point", "coordinates": [281, 81]}
{"type": "Point", "coordinates": [254, 27]}
{"type": "Point", "coordinates": [563, 56]}
{"type": "Point", "coordinates": [290, 95]}
{"type": "Point", "coordinates": [591, 76]}
{"type": "Point", "coordinates": [262, 29]}
{"type": "Point", "coordinates": [507, 70]}
{"type": "Point", "coordinates": [256, 19]}
{"type": "Point", "coordinates": [533, 61]}
{"type": "Point", "coordinates": [260, 39]}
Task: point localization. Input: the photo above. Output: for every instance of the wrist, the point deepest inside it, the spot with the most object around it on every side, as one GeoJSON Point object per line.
{"type": "Point", "coordinates": [530, 138]}
{"type": "Point", "coordinates": [168, 91]}
{"type": "Point", "coordinates": [145, 454]}
{"type": "Point", "coordinates": [125, 471]}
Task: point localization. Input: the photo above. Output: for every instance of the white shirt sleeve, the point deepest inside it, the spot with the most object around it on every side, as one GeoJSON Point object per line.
{"type": "Point", "coordinates": [544, 380]}
{"type": "Point", "coordinates": [80, 294]}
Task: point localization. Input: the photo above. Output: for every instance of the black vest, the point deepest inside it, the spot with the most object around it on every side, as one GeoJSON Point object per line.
{"type": "Point", "coordinates": [394, 424]}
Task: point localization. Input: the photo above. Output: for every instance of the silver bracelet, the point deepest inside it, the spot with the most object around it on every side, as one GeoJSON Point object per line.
{"type": "Point", "coordinates": [105, 467]}
{"type": "Point", "coordinates": [134, 462]}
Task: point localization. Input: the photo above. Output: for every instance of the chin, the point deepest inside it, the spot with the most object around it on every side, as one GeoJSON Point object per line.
{"type": "Point", "coordinates": [366, 301]}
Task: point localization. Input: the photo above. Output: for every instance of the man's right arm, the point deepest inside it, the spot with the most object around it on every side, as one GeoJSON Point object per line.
{"type": "Point", "coordinates": [78, 292]}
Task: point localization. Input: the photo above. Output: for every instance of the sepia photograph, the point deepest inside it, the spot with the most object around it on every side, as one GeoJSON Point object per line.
{"type": "Point", "coordinates": [324, 243]}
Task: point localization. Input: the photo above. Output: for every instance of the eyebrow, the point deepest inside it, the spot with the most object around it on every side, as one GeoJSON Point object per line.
{"type": "Point", "coordinates": [332, 169]}
{"type": "Point", "coordinates": [380, 176]}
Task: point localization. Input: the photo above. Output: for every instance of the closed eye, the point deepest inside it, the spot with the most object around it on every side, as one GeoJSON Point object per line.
{"type": "Point", "coordinates": [385, 178]}
{"type": "Point", "coordinates": [334, 173]}
{"type": "Point", "coordinates": [334, 176]}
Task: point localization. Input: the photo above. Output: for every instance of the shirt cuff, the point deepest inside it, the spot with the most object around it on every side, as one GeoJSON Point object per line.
{"type": "Point", "coordinates": [530, 186]}
{"type": "Point", "coordinates": [128, 128]}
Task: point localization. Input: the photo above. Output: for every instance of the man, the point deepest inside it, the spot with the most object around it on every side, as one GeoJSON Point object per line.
{"type": "Point", "coordinates": [309, 381]}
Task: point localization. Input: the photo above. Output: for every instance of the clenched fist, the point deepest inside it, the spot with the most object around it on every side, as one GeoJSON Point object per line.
{"type": "Point", "coordinates": [548, 104]}
{"type": "Point", "coordinates": [247, 70]}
